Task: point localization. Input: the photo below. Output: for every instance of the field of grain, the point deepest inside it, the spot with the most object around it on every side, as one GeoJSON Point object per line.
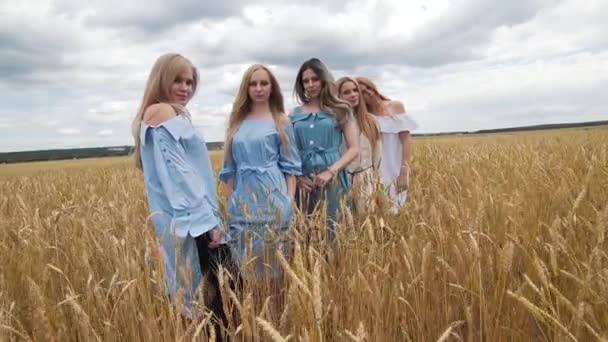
{"type": "Point", "coordinates": [503, 239]}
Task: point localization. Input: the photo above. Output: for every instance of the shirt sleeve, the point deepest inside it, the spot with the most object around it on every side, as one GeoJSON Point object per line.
{"type": "Point", "coordinates": [182, 183]}
{"type": "Point", "coordinates": [401, 123]}
{"type": "Point", "coordinates": [228, 169]}
{"type": "Point", "coordinates": [289, 156]}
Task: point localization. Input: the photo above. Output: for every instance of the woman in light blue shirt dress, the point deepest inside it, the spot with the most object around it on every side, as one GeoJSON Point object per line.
{"type": "Point", "coordinates": [260, 166]}
{"type": "Point", "coordinates": [327, 138]}
{"type": "Point", "coordinates": [179, 184]}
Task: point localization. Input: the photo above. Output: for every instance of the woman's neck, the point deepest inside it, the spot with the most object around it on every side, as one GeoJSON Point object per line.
{"type": "Point", "coordinates": [380, 108]}
{"type": "Point", "coordinates": [260, 110]}
{"type": "Point", "coordinates": [313, 104]}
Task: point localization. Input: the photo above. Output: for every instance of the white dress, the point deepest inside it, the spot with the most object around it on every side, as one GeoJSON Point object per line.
{"type": "Point", "coordinates": [390, 127]}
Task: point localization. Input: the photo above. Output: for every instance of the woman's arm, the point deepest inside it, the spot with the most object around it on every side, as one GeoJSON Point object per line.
{"type": "Point", "coordinates": [351, 134]}
{"type": "Point", "coordinates": [289, 160]}
{"type": "Point", "coordinates": [291, 185]}
{"type": "Point", "coordinates": [377, 155]}
{"type": "Point", "coordinates": [227, 173]}
{"type": "Point", "coordinates": [403, 181]}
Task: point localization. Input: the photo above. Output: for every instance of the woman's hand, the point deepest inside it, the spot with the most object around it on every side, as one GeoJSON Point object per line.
{"type": "Point", "coordinates": [322, 178]}
{"type": "Point", "coordinates": [215, 237]}
{"type": "Point", "coordinates": [305, 183]}
{"type": "Point", "coordinates": [403, 181]}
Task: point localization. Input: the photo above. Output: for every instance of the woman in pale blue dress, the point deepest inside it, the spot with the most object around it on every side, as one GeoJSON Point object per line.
{"type": "Point", "coordinates": [180, 186]}
{"type": "Point", "coordinates": [260, 166]}
{"type": "Point", "coordinates": [327, 138]}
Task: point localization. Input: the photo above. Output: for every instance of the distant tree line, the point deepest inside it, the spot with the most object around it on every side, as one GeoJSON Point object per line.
{"type": "Point", "coordinates": [524, 128]}
{"type": "Point", "coordinates": [96, 152]}
{"type": "Point", "coordinates": [77, 153]}
{"type": "Point", "coordinates": [544, 127]}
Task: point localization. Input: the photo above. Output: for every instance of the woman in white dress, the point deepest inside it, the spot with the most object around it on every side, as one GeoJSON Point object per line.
{"type": "Point", "coordinates": [365, 169]}
{"type": "Point", "coordinates": [395, 127]}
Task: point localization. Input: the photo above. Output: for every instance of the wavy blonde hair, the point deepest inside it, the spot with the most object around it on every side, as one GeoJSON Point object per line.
{"type": "Point", "coordinates": [165, 71]}
{"type": "Point", "coordinates": [365, 120]}
{"type": "Point", "coordinates": [328, 99]}
{"type": "Point", "coordinates": [242, 107]}
{"type": "Point", "coordinates": [376, 106]}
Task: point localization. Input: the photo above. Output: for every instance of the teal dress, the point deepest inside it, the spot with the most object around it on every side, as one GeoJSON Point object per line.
{"type": "Point", "coordinates": [319, 138]}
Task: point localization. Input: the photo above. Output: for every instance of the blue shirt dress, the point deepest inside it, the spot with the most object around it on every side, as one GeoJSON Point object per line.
{"type": "Point", "coordinates": [182, 199]}
{"type": "Point", "coordinates": [260, 203]}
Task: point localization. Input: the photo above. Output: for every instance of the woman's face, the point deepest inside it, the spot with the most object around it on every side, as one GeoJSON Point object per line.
{"type": "Point", "coordinates": [311, 83]}
{"type": "Point", "coordinates": [367, 93]}
{"type": "Point", "coordinates": [350, 93]}
{"type": "Point", "coordinates": [183, 87]}
{"type": "Point", "coordinates": [260, 86]}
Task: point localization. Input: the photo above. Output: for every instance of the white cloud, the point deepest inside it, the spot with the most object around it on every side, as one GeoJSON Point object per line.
{"type": "Point", "coordinates": [111, 111]}
{"type": "Point", "coordinates": [480, 95]}
{"type": "Point", "coordinates": [69, 131]}
{"type": "Point", "coordinates": [50, 123]}
{"type": "Point", "coordinates": [457, 64]}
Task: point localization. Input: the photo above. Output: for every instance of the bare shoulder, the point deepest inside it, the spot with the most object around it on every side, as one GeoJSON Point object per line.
{"type": "Point", "coordinates": [396, 107]}
{"type": "Point", "coordinates": [158, 113]}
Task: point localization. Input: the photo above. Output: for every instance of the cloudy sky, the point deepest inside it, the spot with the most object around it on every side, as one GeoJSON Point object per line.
{"type": "Point", "coordinates": [72, 72]}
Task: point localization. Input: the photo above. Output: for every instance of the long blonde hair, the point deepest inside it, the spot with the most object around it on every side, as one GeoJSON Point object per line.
{"type": "Point", "coordinates": [328, 99]}
{"type": "Point", "coordinates": [365, 120]}
{"type": "Point", "coordinates": [242, 107]}
{"type": "Point", "coordinates": [376, 106]}
{"type": "Point", "coordinates": [158, 87]}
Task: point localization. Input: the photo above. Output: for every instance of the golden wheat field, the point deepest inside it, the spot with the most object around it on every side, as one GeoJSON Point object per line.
{"type": "Point", "coordinates": [503, 239]}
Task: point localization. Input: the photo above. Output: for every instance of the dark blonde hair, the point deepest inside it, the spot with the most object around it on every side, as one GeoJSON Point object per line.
{"type": "Point", "coordinates": [375, 107]}
{"type": "Point", "coordinates": [242, 106]}
{"type": "Point", "coordinates": [165, 71]}
{"type": "Point", "coordinates": [365, 120]}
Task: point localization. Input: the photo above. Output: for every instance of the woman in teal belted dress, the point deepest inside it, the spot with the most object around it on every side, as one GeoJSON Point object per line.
{"type": "Point", "coordinates": [327, 138]}
{"type": "Point", "coordinates": [260, 168]}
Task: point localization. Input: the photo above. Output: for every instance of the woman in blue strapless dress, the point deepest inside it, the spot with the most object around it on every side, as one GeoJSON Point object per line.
{"type": "Point", "coordinates": [260, 168]}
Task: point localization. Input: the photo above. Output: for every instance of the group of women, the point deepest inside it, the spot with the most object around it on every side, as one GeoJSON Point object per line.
{"type": "Point", "coordinates": [342, 136]}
